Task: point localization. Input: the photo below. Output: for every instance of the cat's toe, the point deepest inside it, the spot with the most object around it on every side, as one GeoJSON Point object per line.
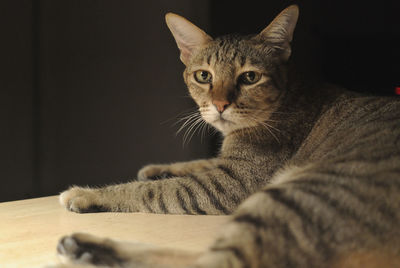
{"type": "Point", "coordinates": [84, 249]}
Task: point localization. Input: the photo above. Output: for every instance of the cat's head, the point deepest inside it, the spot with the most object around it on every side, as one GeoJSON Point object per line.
{"type": "Point", "coordinates": [236, 81]}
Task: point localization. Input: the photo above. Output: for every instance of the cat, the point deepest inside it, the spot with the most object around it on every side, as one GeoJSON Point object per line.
{"type": "Point", "coordinates": [310, 173]}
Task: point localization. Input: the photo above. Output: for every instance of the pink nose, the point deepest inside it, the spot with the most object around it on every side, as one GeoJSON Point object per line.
{"type": "Point", "coordinates": [221, 105]}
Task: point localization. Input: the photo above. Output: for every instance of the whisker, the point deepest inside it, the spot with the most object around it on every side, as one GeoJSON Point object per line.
{"type": "Point", "coordinates": [191, 130]}
{"type": "Point", "coordinates": [185, 118]}
{"type": "Point", "coordinates": [265, 125]}
{"type": "Point", "coordinates": [183, 113]}
{"type": "Point", "coordinates": [268, 125]}
{"type": "Point", "coordinates": [203, 130]}
{"type": "Point", "coordinates": [197, 125]}
{"type": "Point", "coordinates": [189, 120]}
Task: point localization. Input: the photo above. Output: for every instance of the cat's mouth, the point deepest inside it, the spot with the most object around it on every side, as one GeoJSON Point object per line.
{"type": "Point", "coordinates": [223, 120]}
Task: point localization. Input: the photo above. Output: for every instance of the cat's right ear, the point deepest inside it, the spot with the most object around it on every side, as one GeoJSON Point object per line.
{"type": "Point", "coordinates": [188, 36]}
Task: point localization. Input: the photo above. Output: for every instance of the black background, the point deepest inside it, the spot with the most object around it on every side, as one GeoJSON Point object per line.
{"type": "Point", "coordinates": [90, 89]}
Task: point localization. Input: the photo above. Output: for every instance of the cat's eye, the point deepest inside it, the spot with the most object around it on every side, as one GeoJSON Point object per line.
{"type": "Point", "coordinates": [249, 78]}
{"type": "Point", "coordinates": [203, 77]}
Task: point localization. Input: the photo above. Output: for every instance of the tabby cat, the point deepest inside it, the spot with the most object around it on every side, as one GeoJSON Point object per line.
{"type": "Point", "coordinates": [312, 173]}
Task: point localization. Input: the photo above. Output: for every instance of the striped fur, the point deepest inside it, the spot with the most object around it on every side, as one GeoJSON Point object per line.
{"type": "Point", "coordinates": [311, 172]}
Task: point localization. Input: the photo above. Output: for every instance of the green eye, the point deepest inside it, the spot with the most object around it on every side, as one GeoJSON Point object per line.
{"type": "Point", "coordinates": [203, 77]}
{"type": "Point", "coordinates": [249, 78]}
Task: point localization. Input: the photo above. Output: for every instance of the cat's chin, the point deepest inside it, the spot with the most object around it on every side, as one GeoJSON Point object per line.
{"type": "Point", "coordinates": [225, 126]}
{"type": "Point", "coordinates": [225, 123]}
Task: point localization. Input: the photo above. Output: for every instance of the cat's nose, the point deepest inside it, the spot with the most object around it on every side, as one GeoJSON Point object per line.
{"type": "Point", "coordinates": [221, 105]}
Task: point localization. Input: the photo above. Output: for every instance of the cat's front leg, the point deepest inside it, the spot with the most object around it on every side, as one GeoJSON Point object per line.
{"type": "Point", "coordinates": [85, 249]}
{"type": "Point", "coordinates": [164, 171]}
{"type": "Point", "coordinates": [216, 191]}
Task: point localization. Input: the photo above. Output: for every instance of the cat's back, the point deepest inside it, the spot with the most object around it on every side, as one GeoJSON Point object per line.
{"type": "Point", "coordinates": [354, 127]}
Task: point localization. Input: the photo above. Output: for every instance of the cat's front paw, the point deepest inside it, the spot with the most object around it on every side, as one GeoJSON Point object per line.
{"type": "Point", "coordinates": [82, 200]}
{"type": "Point", "coordinates": [85, 249]}
{"type": "Point", "coordinates": [155, 172]}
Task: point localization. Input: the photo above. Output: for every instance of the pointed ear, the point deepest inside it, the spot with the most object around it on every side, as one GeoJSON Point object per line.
{"type": "Point", "coordinates": [187, 35]}
{"type": "Point", "coordinates": [280, 31]}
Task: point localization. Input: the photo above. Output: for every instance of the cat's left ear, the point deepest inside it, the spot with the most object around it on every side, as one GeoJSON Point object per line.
{"type": "Point", "coordinates": [188, 36]}
{"type": "Point", "coordinates": [279, 32]}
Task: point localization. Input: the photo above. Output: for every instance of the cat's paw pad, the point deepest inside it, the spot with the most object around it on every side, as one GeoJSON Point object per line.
{"type": "Point", "coordinates": [87, 249]}
{"type": "Point", "coordinates": [81, 200]}
{"type": "Point", "coordinates": [154, 172]}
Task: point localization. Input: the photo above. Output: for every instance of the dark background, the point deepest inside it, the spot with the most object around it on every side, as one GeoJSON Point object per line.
{"type": "Point", "coordinates": [90, 89]}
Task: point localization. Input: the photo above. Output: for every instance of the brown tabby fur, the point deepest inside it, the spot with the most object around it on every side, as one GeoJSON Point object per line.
{"type": "Point", "coordinates": [315, 168]}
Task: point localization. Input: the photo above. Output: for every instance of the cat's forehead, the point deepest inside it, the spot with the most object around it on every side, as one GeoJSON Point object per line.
{"type": "Point", "coordinates": [230, 51]}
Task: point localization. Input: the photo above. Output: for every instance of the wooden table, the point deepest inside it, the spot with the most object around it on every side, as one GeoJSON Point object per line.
{"type": "Point", "coordinates": [30, 229]}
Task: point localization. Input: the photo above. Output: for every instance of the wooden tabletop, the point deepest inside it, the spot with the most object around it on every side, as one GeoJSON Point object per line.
{"type": "Point", "coordinates": [30, 230]}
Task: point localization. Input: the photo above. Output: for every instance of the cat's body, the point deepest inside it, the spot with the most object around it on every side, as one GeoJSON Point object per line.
{"type": "Point", "coordinates": [318, 167]}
